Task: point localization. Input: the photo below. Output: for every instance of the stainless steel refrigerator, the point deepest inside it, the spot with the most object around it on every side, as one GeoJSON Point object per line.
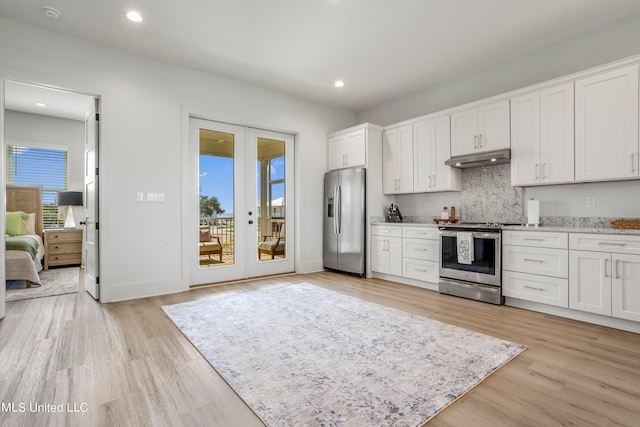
{"type": "Point", "coordinates": [344, 220]}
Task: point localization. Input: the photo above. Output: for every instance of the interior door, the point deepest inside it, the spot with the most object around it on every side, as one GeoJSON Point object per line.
{"type": "Point", "coordinates": [91, 231]}
{"type": "Point", "coordinates": [269, 201]}
{"type": "Point", "coordinates": [217, 213]}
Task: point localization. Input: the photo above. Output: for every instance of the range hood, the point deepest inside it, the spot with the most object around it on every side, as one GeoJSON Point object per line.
{"type": "Point", "coordinates": [486, 158]}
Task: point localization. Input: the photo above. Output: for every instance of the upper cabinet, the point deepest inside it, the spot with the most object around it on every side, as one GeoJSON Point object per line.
{"type": "Point", "coordinates": [607, 125]}
{"type": "Point", "coordinates": [431, 148]}
{"type": "Point", "coordinates": [483, 128]}
{"type": "Point", "coordinates": [347, 149]}
{"type": "Point", "coordinates": [397, 160]}
{"type": "Point", "coordinates": [542, 137]}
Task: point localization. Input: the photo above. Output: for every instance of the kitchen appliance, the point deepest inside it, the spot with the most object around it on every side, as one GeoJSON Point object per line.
{"type": "Point", "coordinates": [344, 221]}
{"type": "Point", "coordinates": [470, 261]}
{"type": "Point", "coordinates": [486, 158]}
{"type": "Point", "coordinates": [393, 214]}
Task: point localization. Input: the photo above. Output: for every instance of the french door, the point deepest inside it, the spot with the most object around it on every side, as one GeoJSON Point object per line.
{"type": "Point", "coordinates": [241, 210]}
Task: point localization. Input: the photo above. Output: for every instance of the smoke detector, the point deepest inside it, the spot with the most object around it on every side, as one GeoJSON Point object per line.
{"type": "Point", "coordinates": [51, 12]}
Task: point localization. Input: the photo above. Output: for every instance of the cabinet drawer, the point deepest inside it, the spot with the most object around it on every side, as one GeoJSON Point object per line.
{"type": "Point", "coordinates": [538, 239]}
{"type": "Point", "coordinates": [64, 259]}
{"type": "Point", "coordinates": [388, 231]}
{"type": "Point", "coordinates": [63, 247]}
{"type": "Point", "coordinates": [420, 270]}
{"type": "Point", "coordinates": [431, 233]}
{"type": "Point", "coordinates": [542, 289]}
{"type": "Point", "coordinates": [549, 262]}
{"type": "Point", "coordinates": [426, 250]}
{"type": "Point", "coordinates": [618, 243]}
{"type": "Point", "coordinates": [64, 236]}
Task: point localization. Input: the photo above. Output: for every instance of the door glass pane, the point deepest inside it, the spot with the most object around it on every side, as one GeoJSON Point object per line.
{"type": "Point", "coordinates": [216, 187]}
{"type": "Point", "coordinates": [271, 203]}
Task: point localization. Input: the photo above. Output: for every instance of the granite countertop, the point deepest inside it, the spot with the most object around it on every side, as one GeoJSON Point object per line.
{"type": "Point", "coordinates": [575, 229]}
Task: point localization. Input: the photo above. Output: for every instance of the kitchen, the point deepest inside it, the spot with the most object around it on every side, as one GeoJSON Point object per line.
{"type": "Point", "coordinates": [539, 187]}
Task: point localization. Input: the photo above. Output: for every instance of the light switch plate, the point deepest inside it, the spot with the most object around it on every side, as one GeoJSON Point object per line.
{"type": "Point", "coordinates": [591, 202]}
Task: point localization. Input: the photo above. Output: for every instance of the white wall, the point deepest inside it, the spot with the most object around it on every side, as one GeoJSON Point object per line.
{"type": "Point", "coordinates": [143, 105]}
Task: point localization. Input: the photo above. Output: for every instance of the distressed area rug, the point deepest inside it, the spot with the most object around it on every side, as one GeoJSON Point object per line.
{"type": "Point", "coordinates": [55, 281]}
{"type": "Point", "coordinates": [301, 355]}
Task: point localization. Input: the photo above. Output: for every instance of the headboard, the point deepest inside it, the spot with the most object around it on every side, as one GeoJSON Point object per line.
{"type": "Point", "coordinates": [26, 198]}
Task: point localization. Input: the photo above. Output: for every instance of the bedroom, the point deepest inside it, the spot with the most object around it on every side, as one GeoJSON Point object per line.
{"type": "Point", "coordinates": [44, 156]}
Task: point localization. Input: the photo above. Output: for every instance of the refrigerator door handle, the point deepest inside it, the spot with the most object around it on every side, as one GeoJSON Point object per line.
{"type": "Point", "coordinates": [335, 209]}
{"type": "Point", "coordinates": [339, 210]}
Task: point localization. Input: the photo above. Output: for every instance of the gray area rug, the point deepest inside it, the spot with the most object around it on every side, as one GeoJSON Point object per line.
{"type": "Point", "coordinates": [301, 355]}
{"type": "Point", "coordinates": [55, 281]}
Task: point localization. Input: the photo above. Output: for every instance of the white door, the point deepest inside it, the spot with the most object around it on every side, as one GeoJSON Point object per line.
{"type": "Point", "coordinates": [493, 126]}
{"type": "Point", "coordinates": [464, 132]}
{"type": "Point", "coordinates": [625, 292]}
{"type": "Point", "coordinates": [556, 134]}
{"type": "Point", "coordinates": [269, 201]}
{"type": "Point", "coordinates": [2, 197]}
{"type": "Point", "coordinates": [240, 213]}
{"type": "Point", "coordinates": [91, 231]}
{"type": "Point", "coordinates": [590, 281]}
{"type": "Point", "coordinates": [525, 139]}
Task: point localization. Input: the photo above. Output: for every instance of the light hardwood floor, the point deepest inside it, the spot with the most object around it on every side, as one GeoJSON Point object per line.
{"type": "Point", "coordinates": [132, 367]}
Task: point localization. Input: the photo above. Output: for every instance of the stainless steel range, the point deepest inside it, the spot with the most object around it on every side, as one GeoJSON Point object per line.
{"type": "Point", "coordinates": [470, 261]}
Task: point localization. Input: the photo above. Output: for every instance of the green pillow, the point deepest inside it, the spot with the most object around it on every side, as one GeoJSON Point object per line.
{"type": "Point", "coordinates": [16, 223]}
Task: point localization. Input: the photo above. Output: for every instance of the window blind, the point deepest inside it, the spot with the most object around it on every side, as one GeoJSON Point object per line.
{"type": "Point", "coordinates": [40, 166]}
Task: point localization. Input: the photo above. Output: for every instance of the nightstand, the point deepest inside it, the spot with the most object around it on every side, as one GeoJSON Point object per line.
{"type": "Point", "coordinates": [62, 247]}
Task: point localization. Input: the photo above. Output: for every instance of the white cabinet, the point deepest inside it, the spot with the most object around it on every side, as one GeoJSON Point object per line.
{"type": "Point", "coordinates": [484, 128]}
{"type": "Point", "coordinates": [386, 249]}
{"type": "Point", "coordinates": [431, 148]}
{"type": "Point", "coordinates": [536, 267]}
{"type": "Point", "coordinates": [542, 137]}
{"type": "Point", "coordinates": [606, 125]}
{"type": "Point", "coordinates": [605, 278]}
{"type": "Point", "coordinates": [397, 160]}
{"type": "Point", "coordinates": [420, 253]}
{"type": "Point", "coordinates": [347, 149]}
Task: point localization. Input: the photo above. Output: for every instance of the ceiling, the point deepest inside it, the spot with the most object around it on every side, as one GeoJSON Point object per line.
{"type": "Point", "coordinates": [381, 49]}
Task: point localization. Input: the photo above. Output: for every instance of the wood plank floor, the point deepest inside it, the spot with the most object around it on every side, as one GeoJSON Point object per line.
{"type": "Point", "coordinates": [126, 364]}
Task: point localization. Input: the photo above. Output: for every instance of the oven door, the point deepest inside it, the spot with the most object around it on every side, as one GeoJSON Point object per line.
{"type": "Point", "coordinates": [485, 267]}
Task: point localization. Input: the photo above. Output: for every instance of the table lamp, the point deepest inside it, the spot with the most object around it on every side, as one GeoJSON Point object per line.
{"type": "Point", "coordinates": [70, 199]}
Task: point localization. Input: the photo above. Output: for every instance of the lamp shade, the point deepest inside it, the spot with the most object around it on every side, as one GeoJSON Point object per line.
{"type": "Point", "coordinates": [70, 198]}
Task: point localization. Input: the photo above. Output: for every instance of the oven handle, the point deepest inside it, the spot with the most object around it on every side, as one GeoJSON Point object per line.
{"type": "Point", "coordinates": [476, 235]}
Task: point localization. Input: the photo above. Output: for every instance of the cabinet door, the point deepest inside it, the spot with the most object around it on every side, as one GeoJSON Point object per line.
{"type": "Point", "coordinates": [379, 257]}
{"type": "Point", "coordinates": [590, 281]}
{"type": "Point", "coordinates": [424, 155]}
{"type": "Point", "coordinates": [397, 169]}
{"type": "Point", "coordinates": [606, 127]}
{"type": "Point", "coordinates": [493, 126]}
{"type": "Point", "coordinates": [445, 177]}
{"type": "Point", "coordinates": [464, 132]}
{"type": "Point", "coordinates": [525, 139]}
{"type": "Point", "coordinates": [625, 288]}
{"type": "Point", "coordinates": [336, 153]}
{"type": "Point", "coordinates": [394, 251]}
{"type": "Point", "coordinates": [556, 134]}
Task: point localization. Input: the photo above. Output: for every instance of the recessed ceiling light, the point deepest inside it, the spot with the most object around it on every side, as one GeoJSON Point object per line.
{"type": "Point", "coordinates": [51, 12]}
{"type": "Point", "coordinates": [39, 104]}
{"type": "Point", "coordinates": [339, 83]}
{"type": "Point", "coordinates": [493, 160]}
{"type": "Point", "coordinates": [134, 16]}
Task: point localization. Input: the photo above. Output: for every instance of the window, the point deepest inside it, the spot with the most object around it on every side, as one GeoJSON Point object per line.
{"type": "Point", "coordinates": [40, 166]}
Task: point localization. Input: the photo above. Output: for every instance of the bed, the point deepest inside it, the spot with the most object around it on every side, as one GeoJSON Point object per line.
{"type": "Point", "coordinates": [21, 264]}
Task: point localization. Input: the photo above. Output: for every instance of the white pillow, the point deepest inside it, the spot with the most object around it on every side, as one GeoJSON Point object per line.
{"type": "Point", "coordinates": [30, 226]}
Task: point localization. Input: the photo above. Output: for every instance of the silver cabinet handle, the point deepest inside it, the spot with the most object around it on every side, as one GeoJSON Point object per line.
{"type": "Point", "coordinates": [536, 170]}
{"type": "Point", "coordinates": [633, 166]}
{"type": "Point", "coordinates": [435, 180]}
{"type": "Point", "coordinates": [544, 165]}
{"type": "Point", "coordinates": [618, 276]}
{"type": "Point", "coordinates": [605, 268]}
{"type": "Point", "coordinates": [430, 181]}
{"type": "Point", "coordinates": [533, 260]}
{"type": "Point", "coordinates": [480, 140]}
{"type": "Point", "coordinates": [534, 288]}
{"type": "Point", "coordinates": [537, 239]}
{"type": "Point", "coordinates": [612, 244]}
{"type": "Point", "coordinates": [475, 142]}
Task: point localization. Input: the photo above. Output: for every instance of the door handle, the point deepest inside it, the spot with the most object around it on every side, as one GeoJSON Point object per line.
{"type": "Point", "coordinates": [480, 140]}
{"type": "Point", "coordinates": [475, 142]}
{"type": "Point", "coordinates": [250, 222]}
{"type": "Point", "coordinates": [617, 269]}
{"type": "Point", "coordinates": [536, 170]}
{"type": "Point", "coordinates": [605, 268]}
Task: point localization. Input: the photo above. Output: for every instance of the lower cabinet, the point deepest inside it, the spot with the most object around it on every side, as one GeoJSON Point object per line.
{"type": "Point", "coordinates": [386, 250]}
{"type": "Point", "coordinates": [406, 251]}
{"type": "Point", "coordinates": [605, 283]}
